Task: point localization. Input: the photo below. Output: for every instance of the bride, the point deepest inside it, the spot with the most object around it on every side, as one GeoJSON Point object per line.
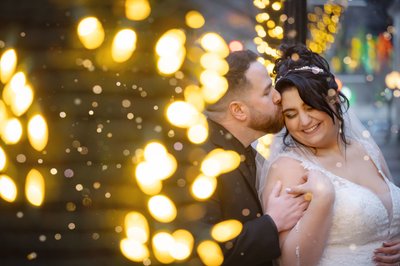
{"type": "Point", "coordinates": [354, 206]}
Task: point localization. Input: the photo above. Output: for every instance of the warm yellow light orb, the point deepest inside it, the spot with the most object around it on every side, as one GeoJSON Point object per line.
{"type": "Point", "coordinates": [8, 64]}
{"type": "Point", "coordinates": [183, 244]}
{"type": "Point", "coordinates": [154, 151]}
{"type": "Point", "coordinates": [194, 19]}
{"type": "Point", "coordinates": [137, 9]}
{"type": "Point", "coordinates": [22, 100]}
{"type": "Point", "coordinates": [168, 65]}
{"type": "Point", "coordinates": [35, 187]}
{"type": "Point", "coordinates": [134, 250]}
{"type": "Point", "coordinates": [3, 159]}
{"type": "Point", "coordinates": [212, 42]}
{"type": "Point", "coordinates": [162, 208]}
{"type": "Point", "coordinates": [90, 32]}
{"type": "Point", "coordinates": [136, 227]}
{"type": "Point", "coordinates": [12, 131]}
{"type": "Point", "coordinates": [203, 187]}
{"type": "Point", "coordinates": [198, 133]}
{"type": "Point", "coordinates": [162, 243]}
{"type": "Point", "coordinates": [194, 96]}
{"type": "Point", "coordinates": [226, 230]}
{"type": "Point", "coordinates": [16, 84]}
{"type": "Point", "coordinates": [123, 46]}
{"type": "Point", "coordinates": [215, 63]}
{"type": "Point", "coordinates": [37, 132]}
{"type": "Point", "coordinates": [146, 177]}
{"type": "Point", "coordinates": [210, 253]}
{"type": "Point", "coordinates": [171, 42]}
{"type": "Point", "coordinates": [220, 161]}
{"type": "Point", "coordinates": [182, 114]}
{"type": "Point", "coordinates": [8, 189]}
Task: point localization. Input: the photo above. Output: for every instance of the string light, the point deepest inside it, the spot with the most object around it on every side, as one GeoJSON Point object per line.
{"type": "Point", "coordinates": [268, 29]}
{"type": "Point", "coordinates": [323, 25]}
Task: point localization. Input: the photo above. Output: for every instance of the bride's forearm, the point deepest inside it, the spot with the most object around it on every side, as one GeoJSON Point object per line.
{"type": "Point", "coordinates": [305, 243]}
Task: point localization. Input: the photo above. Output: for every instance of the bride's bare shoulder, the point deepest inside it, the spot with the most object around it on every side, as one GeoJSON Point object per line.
{"type": "Point", "coordinates": [286, 168]}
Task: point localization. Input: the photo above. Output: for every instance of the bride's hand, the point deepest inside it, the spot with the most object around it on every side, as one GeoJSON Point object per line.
{"type": "Point", "coordinates": [315, 184]}
{"type": "Point", "coordinates": [388, 254]}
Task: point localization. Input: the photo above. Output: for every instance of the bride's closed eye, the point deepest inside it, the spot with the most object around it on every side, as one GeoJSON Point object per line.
{"type": "Point", "coordinates": [289, 115]}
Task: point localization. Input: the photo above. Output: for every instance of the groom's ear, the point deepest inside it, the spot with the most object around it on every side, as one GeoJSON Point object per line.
{"type": "Point", "coordinates": [238, 110]}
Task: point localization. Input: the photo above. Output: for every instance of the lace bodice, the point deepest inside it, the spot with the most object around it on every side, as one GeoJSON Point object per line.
{"type": "Point", "coordinates": [361, 223]}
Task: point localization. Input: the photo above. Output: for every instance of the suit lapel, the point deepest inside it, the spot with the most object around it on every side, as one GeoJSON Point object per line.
{"type": "Point", "coordinates": [224, 139]}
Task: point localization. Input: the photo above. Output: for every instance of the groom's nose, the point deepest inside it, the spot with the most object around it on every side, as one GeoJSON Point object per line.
{"type": "Point", "coordinates": [276, 96]}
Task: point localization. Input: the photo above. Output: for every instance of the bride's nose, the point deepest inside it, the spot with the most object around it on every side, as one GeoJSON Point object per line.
{"type": "Point", "coordinates": [305, 119]}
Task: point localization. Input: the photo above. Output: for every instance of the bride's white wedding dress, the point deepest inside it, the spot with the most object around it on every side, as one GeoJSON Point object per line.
{"type": "Point", "coordinates": [361, 222]}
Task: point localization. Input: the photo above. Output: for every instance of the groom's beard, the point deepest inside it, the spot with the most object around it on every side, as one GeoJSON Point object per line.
{"type": "Point", "coordinates": [267, 124]}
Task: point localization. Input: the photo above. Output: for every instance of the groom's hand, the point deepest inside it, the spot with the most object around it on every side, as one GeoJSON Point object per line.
{"type": "Point", "coordinates": [314, 185]}
{"type": "Point", "coordinates": [284, 209]}
{"type": "Point", "coordinates": [388, 254]}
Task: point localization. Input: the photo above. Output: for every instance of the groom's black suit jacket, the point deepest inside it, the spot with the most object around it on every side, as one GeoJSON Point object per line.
{"type": "Point", "coordinates": [236, 198]}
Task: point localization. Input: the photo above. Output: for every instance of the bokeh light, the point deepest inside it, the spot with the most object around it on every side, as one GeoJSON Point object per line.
{"type": "Point", "coordinates": [219, 161]}
{"type": "Point", "coordinates": [137, 9]}
{"type": "Point", "coordinates": [134, 250]}
{"type": "Point", "coordinates": [203, 187]}
{"type": "Point", "coordinates": [8, 64]}
{"type": "Point", "coordinates": [136, 227]}
{"type": "Point", "coordinates": [161, 245]}
{"type": "Point", "coordinates": [37, 132]}
{"type": "Point", "coordinates": [35, 188]}
{"type": "Point", "coordinates": [194, 19]}
{"type": "Point", "coordinates": [90, 32]}
{"type": "Point", "coordinates": [162, 208]}
{"type": "Point", "coordinates": [210, 253]}
{"type": "Point", "coordinates": [226, 230]}
{"type": "Point", "coordinates": [123, 46]}
{"type": "Point", "coordinates": [12, 131]}
{"type": "Point", "coordinates": [8, 189]}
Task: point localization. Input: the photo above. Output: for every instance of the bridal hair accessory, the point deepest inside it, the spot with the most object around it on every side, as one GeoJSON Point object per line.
{"type": "Point", "coordinates": [315, 70]}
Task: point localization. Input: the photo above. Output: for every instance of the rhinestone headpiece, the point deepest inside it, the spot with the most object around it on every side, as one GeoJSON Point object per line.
{"type": "Point", "coordinates": [313, 69]}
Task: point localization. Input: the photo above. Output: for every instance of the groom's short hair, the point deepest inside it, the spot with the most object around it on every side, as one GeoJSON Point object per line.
{"type": "Point", "coordinates": [239, 62]}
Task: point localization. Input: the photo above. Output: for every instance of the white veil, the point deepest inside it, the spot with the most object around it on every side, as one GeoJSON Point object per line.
{"type": "Point", "coordinates": [354, 131]}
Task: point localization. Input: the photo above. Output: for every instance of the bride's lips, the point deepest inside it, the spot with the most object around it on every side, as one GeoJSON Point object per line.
{"type": "Point", "coordinates": [312, 129]}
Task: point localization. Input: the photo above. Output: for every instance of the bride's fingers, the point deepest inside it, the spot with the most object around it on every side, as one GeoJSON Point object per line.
{"type": "Point", "coordinates": [387, 259]}
{"type": "Point", "coordinates": [388, 250]}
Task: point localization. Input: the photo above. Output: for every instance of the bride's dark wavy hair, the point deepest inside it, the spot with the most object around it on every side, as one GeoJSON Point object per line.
{"type": "Point", "coordinates": [314, 86]}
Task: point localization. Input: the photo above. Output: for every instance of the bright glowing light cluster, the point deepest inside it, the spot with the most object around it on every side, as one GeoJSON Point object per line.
{"type": "Point", "coordinates": [187, 115]}
{"type": "Point", "coordinates": [171, 51]}
{"type": "Point", "coordinates": [90, 32]}
{"type": "Point", "coordinates": [17, 98]}
{"type": "Point", "coordinates": [137, 234]}
{"type": "Point", "coordinates": [168, 247]}
{"type": "Point", "coordinates": [157, 165]}
{"type": "Point", "coordinates": [216, 162]}
{"type": "Point", "coordinates": [263, 145]}
{"type": "Point", "coordinates": [392, 80]}
{"type": "Point", "coordinates": [268, 29]}
{"type": "Point", "coordinates": [194, 19]}
{"type": "Point", "coordinates": [324, 24]}
{"type": "Point", "coordinates": [123, 46]}
{"type": "Point", "coordinates": [137, 9]}
{"type": "Point", "coordinates": [226, 230]}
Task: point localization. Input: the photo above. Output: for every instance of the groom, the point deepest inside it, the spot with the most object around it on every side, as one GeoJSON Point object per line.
{"type": "Point", "coordinates": [248, 110]}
